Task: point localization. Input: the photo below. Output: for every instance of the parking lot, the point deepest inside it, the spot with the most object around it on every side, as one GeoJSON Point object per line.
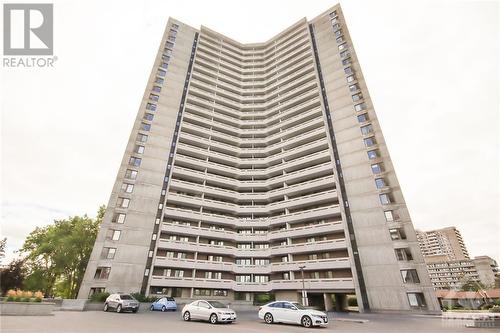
{"type": "Point", "coordinates": [145, 321]}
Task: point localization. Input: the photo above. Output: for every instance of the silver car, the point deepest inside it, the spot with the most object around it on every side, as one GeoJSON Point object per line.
{"type": "Point", "coordinates": [121, 302]}
{"type": "Point", "coordinates": [213, 311]}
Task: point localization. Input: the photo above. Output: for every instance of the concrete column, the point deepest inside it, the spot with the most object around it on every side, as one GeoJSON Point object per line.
{"type": "Point", "coordinates": [328, 302]}
{"type": "Point", "coordinates": [341, 303]}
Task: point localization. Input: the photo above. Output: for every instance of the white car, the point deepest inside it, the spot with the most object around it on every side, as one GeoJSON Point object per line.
{"type": "Point", "coordinates": [292, 313]}
{"type": "Point", "coordinates": [213, 311]}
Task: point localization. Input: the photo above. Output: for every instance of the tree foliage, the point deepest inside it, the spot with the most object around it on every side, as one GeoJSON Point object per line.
{"type": "Point", "coordinates": [12, 276]}
{"type": "Point", "coordinates": [55, 256]}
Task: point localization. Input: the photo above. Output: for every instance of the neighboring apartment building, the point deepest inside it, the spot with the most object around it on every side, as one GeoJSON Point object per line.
{"type": "Point", "coordinates": [248, 163]}
{"type": "Point", "coordinates": [450, 274]}
{"type": "Point", "coordinates": [487, 269]}
{"type": "Point", "coordinates": [446, 242]}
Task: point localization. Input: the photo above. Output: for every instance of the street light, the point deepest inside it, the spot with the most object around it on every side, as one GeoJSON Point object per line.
{"type": "Point", "coordinates": [304, 294]}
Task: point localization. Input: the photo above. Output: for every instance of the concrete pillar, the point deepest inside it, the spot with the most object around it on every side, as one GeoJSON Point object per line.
{"type": "Point", "coordinates": [341, 303]}
{"type": "Point", "coordinates": [328, 302]}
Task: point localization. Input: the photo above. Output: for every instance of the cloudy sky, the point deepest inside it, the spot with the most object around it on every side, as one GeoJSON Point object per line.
{"type": "Point", "coordinates": [432, 68]}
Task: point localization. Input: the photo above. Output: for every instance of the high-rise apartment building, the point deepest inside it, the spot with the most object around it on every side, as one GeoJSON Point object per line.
{"type": "Point", "coordinates": [250, 164]}
{"type": "Point", "coordinates": [446, 242]}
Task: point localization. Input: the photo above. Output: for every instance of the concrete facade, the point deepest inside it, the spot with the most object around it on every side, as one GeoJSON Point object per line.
{"type": "Point", "coordinates": [446, 242]}
{"type": "Point", "coordinates": [487, 270]}
{"type": "Point", "coordinates": [263, 161]}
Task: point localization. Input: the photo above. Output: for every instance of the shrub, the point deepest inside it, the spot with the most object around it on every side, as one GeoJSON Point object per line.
{"type": "Point", "coordinates": [495, 308]}
{"type": "Point", "coordinates": [11, 293]}
{"type": "Point", "coordinates": [38, 295]}
{"type": "Point", "coordinates": [144, 299]}
{"type": "Point", "coordinates": [99, 297]}
{"type": "Point", "coordinates": [10, 299]}
{"type": "Point", "coordinates": [352, 301]}
{"type": "Point", "coordinates": [497, 302]}
{"type": "Point", "coordinates": [38, 300]}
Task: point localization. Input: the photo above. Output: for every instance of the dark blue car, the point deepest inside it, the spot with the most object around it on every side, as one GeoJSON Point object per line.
{"type": "Point", "coordinates": [164, 304]}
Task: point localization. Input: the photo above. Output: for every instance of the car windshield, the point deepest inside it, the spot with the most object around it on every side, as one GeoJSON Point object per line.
{"type": "Point", "coordinates": [216, 304]}
{"type": "Point", "coordinates": [170, 299]}
{"type": "Point", "coordinates": [126, 297]}
{"type": "Point", "coordinates": [299, 306]}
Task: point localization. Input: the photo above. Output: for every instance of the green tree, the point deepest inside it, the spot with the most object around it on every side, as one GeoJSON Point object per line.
{"type": "Point", "coordinates": [472, 285]}
{"type": "Point", "coordinates": [56, 255]}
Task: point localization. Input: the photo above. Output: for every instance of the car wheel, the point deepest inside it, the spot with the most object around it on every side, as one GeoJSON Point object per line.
{"type": "Point", "coordinates": [268, 318]}
{"type": "Point", "coordinates": [306, 321]}
{"type": "Point", "coordinates": [152, 308]}
{"type": "Point", "coordinates": [106, 307]}
{"type": "Point", "coordinates": [186, 316]}
{"type": "Point", "coordinates": [163, 309]}
{"type": "Point", "coordinates": [213, 318]}
{"type": "Point", "coordinates": [119, 308]}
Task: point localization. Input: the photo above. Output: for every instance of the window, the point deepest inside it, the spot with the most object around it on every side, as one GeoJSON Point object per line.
{"type": "Point", "coordinates": [313, 256]}
{"type": "Point", "coordinates": [397, 234]}
{"type": "Point", "coordinates": [380, 182]}
{"type": "Point", "coordinates": [416, 300]}
{"type": "Point", "coordinates": [314, 275]}
{"type": "Point", "coordinates": [142, 137]}
{"type": "Point", "coordinates": [340, 40]}
{"type": "Point", "coordinates": [348, 71]}
{"type": "Point", "coordinates": [333, 14]}
{"type": "Point", "coordinates": [363, 117]}
{"type": "Point", "coordinates": [151, 107]}
{"type": "Point", "coordinates": [284, 259]}
{"type": "Point", "coordinates": [202, 292]}
{"type": "Point", "coordinates": [156, 89]}
{"type": "Point", "coordinates": [338, 33]}
{"type": "Point", "coordinates": [372, 154]}
{"type": "Point", "coordinates": [244, 262]}
{"type": "Point", "coordinates": [376, 168]}
{"type": "Point", "coordinates": [286, 276]}
{"type": "Point", "coordinates": [385, 199]}
{"type": "Point", "coordinates": [354, 87]}
{"type": "Point", "coordinates": [336, 27]}
{"type": "Point", "coordinates": [159, 80]}
{"type": "Point", "coordinates": [244, 246]}
{"type": "Point", "coordinates": [108, 253]}
{"type": "Point", "coordinates": [175, 26]}
{"type": "Point", "coordinates": [122, 202]}
{"type": "Point", "coordinates": [169, 44]}
{"type": "Point", "coordinates": [96, 291]}
{"type": "Point", "coordinates": [360, 107]}
{"type": "Point", "coordinates": [178, 273]}
{"type": "Point", "coordinates": [167, 51]}
{"type": "Point", "coordinates": [145, 127]}
{"type": "Point", "coordinates": [113, 234]}
{"type": "Point", "coordinates": [357, 97]}
{"type": "Point", "coordinates": [102, 273]}
{"type": "Point", "coordinates": [370, 141]}
{"type": "Point", "coordinates": [243, 278]}
{"type": "Point", "coordinates": [351, 78]}
{"type": "Point", "coordinates": [342, 46]}
{"type": "Point", "coordinates": [261, 278]}
{"type": "Point", "coordinates": [148, 116]}
{"type": "Point", "coordinates": [261, 262]}
{"type": "Point", "coordinates": [130, 174]}
{"type": "Point", "coordinates": [164, 65]}
{"type": "Point", "coordinates": [118, 218]}
{"type": "Point", "coordinates": [220, 292]}
{"type": "Point", "coordinates": [128, 188]}
{"type": "Point", "coordinates": [389, 217]}
{"type": "Point", "coordinates": [310, 240]}
{"type": "Point", "coordinates": [367, 129]}
{"type": "Point", "coordinates": [154, 97]}
{"type": "Point", "coordinates": [161, 72]}
{"type": "Point", "coordinates": [171, 38]}
{"type": "Point", "coordinates": [410, 276]}
{"type": "Point", "coordinates": [135, 161]}
{"type": "Point", "coordinates": [403, 254]}
{"type": "Point", "coordinates": [346, 62]}
{"type": "Point", "coordinates": [345, 54]}
{"type": "Point", "coordinates": [139, 149]}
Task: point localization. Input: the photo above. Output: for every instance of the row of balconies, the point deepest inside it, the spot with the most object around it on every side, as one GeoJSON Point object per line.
{"type": "Point", "coordinates": [243, 87]}
{"type": "Point", "coordinates": [265, 222]}
{"type": "Point", "coordinates": [252, 80]}
{"type": "Point", "coordinates": [344, 284]}
{"type": "Point", "coordinates": [319, 169]}
{"type": "Point", "coordinates": [294, 141]}
{"type": "Point", "coordinates": [322, 264]}
{"type": "Point", "coordinates": [316, 184]}
{"type": "Point", "coordinates": [309, 230]}
{"type": "Point", "coordinates": [285, 155]}
{"type": "Point", "coordinates": [267, 52]}
{"type": "Point", "coordinates": [224, 206]}
{"type": "Point", "coordinates": [319, 246]}
{"type": "Point", "coordinates": [298, 47]}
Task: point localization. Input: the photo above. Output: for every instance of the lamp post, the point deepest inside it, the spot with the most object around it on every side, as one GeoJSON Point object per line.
{"type": "Point", "coordinates": [304, 294]}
